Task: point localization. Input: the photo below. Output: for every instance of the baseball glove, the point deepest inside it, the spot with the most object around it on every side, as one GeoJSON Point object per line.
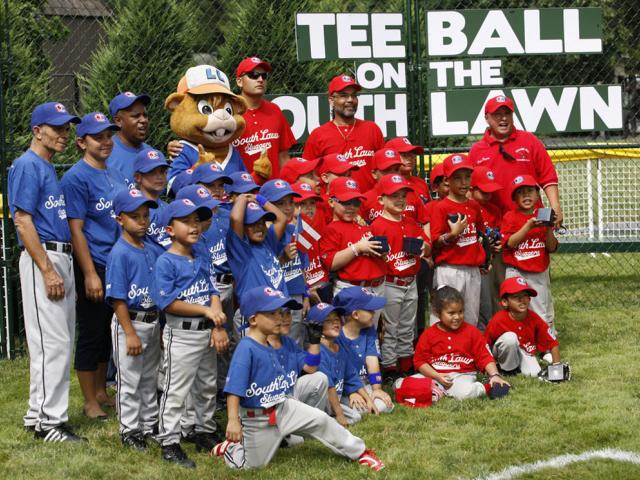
{"type": "Point", "coordinates": [560, 372]}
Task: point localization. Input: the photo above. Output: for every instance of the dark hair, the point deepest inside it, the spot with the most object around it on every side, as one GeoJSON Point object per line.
{"type": "Point", "coordinates": [443, 296]}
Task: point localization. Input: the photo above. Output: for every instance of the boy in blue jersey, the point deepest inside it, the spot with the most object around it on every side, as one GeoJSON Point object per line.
{"type": "Point", "coordinates": [185, 290]}
{"type": "Point", "coordinates": [360, 340]}
{"type": "Point", "coordinates": [293, 262]}
{"type": "Point", "coordinates": [337, 366]}
{"type": "Point", "coordinates": [135, 328]}
{"type": "Point", "coordinates": [259, 409]}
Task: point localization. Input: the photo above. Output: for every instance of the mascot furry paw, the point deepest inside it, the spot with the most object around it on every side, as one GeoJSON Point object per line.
{"type": "Point", "coordinates": [207, 117]}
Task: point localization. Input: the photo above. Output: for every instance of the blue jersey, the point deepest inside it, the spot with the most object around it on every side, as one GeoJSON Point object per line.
{"type": "Point", "coordinates": [292, 358]}
{"type": "Point", "coordinates": [366, 345]}
{"type": "Point", "coordinates": [157, 237]}
{"type": "Point", "coordinates": [122, 160]}
{"type": "Point", "coordinates": [341, 372]}
{"type": "Point", "coordinates": [129, 275]}
{"type": "Point", "coordinates": [183, 278]}
{"type": "Point", "coordinates": [89, 193]}
{"type": "Point", "coordinates": [255, 264]}
{"type": "Point", "coordinates": [294, 269]}
{"type": "Point", "coordinates": [256, 375]}
{"type": "Point", "coordinates": [33, 187]}
{"type": "Point", "coordinates": [215, 238]}
{"type": "Point", "coordinates": [189, 157]}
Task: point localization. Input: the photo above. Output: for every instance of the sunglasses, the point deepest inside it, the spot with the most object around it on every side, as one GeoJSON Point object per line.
{"type": "Point", "coordinates": [349, 203]}
{"type": "Point", "coordinates": [257, 75]}
{"type": "Point", "coordinates": [506, 155]}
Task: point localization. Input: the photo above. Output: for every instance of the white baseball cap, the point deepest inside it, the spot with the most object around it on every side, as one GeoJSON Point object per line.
{"type": "Point", "coordinates": [204, 79]}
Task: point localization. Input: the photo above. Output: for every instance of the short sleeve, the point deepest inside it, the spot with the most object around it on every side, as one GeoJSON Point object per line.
{"type": "Point", "coordinates": [545, 171]}
{"type": "Point", "coordinates": [239, 373]}
{"type": "Point", "coordinates": [164, 290]}
{"type": "Point", "coordinates": [23, 188]}
{"type": "Point", "coordinates": [481, 354]}
{"type": "Point", "coordinates": [76, 196]}
{"type": "Point", "coordinates": [330, 244]}
{"type": "Point", "coordinates": [312, 148]}
{"type": "Point", "coordinates": [508, 227]}
{"type": "Point", "coordinates": [116, 277]}
{"type": "Point", "coordinates": [372, 348]}
{"type": "Point", "coordinates": [287, 140]}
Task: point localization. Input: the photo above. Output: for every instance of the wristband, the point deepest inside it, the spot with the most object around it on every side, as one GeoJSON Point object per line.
{"type": "Point", "coordinates": [354, 249]}
{"type": "Point", "coordinates": [375, 378]}
{"type": "Point", "coordinates": [494, 375]}
{"type": "Point", "coordinates": [312, 359]}
{"type": "Point", "coordinates": [261, 199]}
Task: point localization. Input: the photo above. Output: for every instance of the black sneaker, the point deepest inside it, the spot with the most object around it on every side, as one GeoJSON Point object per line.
{"type": "Point", "coordinates": [152, 435]}
{"type": "Point", "coordinates": [135, 441]}
{"type": "Point", "coordinates": [61, 433]}
{"type": "Point", "coordinates": [189, 437]}
{"type": "Point", "coordinates": [173, 453]}
{"type": "Point", "coordinates": [206, 441]}
{"type": "Point", "coordinates": [29, 428]}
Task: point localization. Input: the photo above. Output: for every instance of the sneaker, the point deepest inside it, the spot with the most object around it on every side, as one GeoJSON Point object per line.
{"type": "Point", "coordinates": [61, 433]}
{"type": "Point", "coordinates": [29, 428]}
{"type": "Point", "coordinates": [207, 440]}
{"type": "Point", "coordinates": [173, 453]}
{"type": "Point", "coordinates": [220, 449]}
{"type": "Point", "coordinates": [369, 459]}
{"type": "Point", "coordinates": [135, 441]}
{"type": "Point", "coordinates": [189, 437]}
{"type": "Point", "coordinates": [291, 441]}
{"type": "Point", "coordinates": [547, 357]}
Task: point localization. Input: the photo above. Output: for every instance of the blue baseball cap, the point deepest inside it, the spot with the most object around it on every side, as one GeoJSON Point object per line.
{"type": "Point", "coordinates": [265, 299]}
{"type": "Point", "coordinates": [255, 212]}
{"type": "Point", "coordinates": [125, 100]}
{"type": "Point", "coordinates": [242, 183]}
{"type": "Point", "coordinates": [199, 195]}
{"type": "Point", "coordinates": [184, 207]}
{"type": "Point", "coordinates": [52, 113]}
{"type": "Point", "coordinates": [94, 122]}
{"type": "Point", "coordinates": [130, 200]}
{"type": "Point", "coordinates": [358, 298]}
{"type": "Point", "coordinates": [320, 312]}
{"type": "Point", "coordinates": [180, 181]}
{"type": "Point", "coordinates": [277, 189]}
{"type": "Point", "coordinates": [209, 173]}
{"type": "Point", "coordinates": [148, 159]}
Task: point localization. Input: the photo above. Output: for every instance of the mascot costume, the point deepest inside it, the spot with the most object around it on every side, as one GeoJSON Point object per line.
{"type": "Point", "coordinates": [207, 117]}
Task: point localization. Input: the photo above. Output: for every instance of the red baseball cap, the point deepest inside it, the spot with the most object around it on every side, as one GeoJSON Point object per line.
{"type": "Point", "coordinates": [305, 191]}
{"type": "Point", "coordinates": [340, 82]}
{"type": "Point", "coordinates": [335, 163]}
{"type": "Point", "coordinates": [344, 189]}
{"type": "Point", "coordinates": [521, 181]}
{"type": "Point", "coordinates": [403, 145]}
{"type": "Point", "coordinates": [484, 180]}
{"type": "Point", "coordinates": [390, 184]}
{"type": "Point", "coordinates": [250, 64]}
{"type": "Point", "coordinates": [495, 103]}
{"type": "Point", "coordinates": [456, 162]}
{"type": "Point", "coordinates": [385, 158]}
{"type": "Point", "coordinates": [437, 171]}
{"type": "Point", "coordinates": [414, 391]}
{"type": "Point", "coordinates": [515, 285]}
{"type": "Point", "coordinates": [297, 166]}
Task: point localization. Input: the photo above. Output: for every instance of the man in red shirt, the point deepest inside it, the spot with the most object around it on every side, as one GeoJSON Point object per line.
{"type": "Point", "coordinates": [267, 129]}
{"type": "Point", "coordinates": [510, 152]}
{"type": "Point", "coordinates": [356, 139]}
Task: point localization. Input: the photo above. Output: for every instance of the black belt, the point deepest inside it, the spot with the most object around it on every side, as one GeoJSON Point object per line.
{"type": "Point", "coordinates": [201, 325]}
{"type": "Point", "coordinates": [144, 317]}
{"type": "Point", "coordinates": [60, 247]}
{"type": "Point", "coordinates": [224, 278]}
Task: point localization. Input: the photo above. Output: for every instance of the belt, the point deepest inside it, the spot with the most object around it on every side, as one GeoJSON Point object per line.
{"type": "Point", "coordinates": [400, 281]}
{"type": "Point", "coordinates": [197, 323]}
{"type": "Point", "coordinates": [60, 247]}
{"type": "Point", "coordinates": [270, 412]}
{"type": "Point", "coordinates": [224, 278]}
{"type": "Point", "coordinates": [376, 282]}
{"type": "Point", "coordinates": [144, 317]}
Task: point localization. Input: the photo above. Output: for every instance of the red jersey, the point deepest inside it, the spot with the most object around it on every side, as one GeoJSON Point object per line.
{"type": "Point", "coordinates": [461, 351]}
{"type": "Point", "coordinates": [533, 332]}
{"type": "Point", "coordinates": [267, 128]}
{"type": "Point", "coordinates": [531, 158]}
{"type": "Point", "coordinates": [428, 211]}
{"type": "Point", "coordinates": [491, 215]}
{"type": "Point", "coordinates": [357, 142]}
{"type": "Point", "coordinates": [420, 187]}
{"type": "Point", "coordinates": [529, 255]}
{"type": "Point", "coordinates": [465, 249]}
{"type": "Point", "coordinates": [371, 208]}
{"type": "Point", "coordinates": [340, 235]}
{"type": "Point", "coordinates": [399, 264]}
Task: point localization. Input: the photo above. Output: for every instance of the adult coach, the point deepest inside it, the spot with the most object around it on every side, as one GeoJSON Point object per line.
{"type": "Point", "coordinates": [46, 272]}
{"type": "Point", "coordinates": [510, 152]}
{"type": "Point", "coordinates": [267, 128]}
{"type": "Point", "coordinates": [356, 139]}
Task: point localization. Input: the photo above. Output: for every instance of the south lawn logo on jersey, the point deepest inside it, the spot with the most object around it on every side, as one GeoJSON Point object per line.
{"type": "Point", "coordinates": [292, 269]}
{"type": "Point", "coordinates": [400, 261]}
{"type": "Point", "coordinates": [53, 202]}
{"type": "Point", "coordinates": [451, 361]}
{"type": "Point", "coordinates": [273, 393]}
{"type": "Point", "coordinates": [275, 273]}
{"type": "Point", "coordinates": [192, 293]}
{"type": "Point", "coordinates": [218, 253]}
{"type": "Point", "coordinates": [135, 292]}
{"type": "Point", "coordinates": [357, 156]}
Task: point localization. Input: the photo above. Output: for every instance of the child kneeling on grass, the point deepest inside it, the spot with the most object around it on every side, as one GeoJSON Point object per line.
{"type": "Point", "coordinates": [517, 333]}
{"type": "Point", "coordinates": [451, 352]}
{"type": "Point", "coordinates": [259, 410]}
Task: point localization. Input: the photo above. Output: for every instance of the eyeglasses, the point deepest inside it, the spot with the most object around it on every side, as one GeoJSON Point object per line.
{"type": "Point", "coordinates": [257, 75]}
{"type": "Point", "coordinates": [506, 155]}
{"type": "Point", "coordinates": [345, 96]}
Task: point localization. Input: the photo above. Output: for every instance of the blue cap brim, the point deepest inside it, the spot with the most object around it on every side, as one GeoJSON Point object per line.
{"type": "Point", "coordinates": [98, 129]}
{"type": "Point", "coordinates": [281, 194]}
{"type": "Point", "coordinates": [271, 305]}
{"type": "Point", "coordinates": [245, 188]}
{"type": "Point", "coordinates": [212, 177]}
{"type": "Point", "coordinates": [204, 213]}
{"type": "Point", "coordinates": [136, 205]}
{"type": "Point", "coordinates": [318, 315]}
{"type": "Point", "coordinates": [64, 119]}
{"type": "Point", "coordinates": [148, 167]}
{"type": "Point", "coordinates": [250, 219]}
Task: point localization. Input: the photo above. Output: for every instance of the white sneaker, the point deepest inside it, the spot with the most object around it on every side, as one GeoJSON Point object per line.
{"type": "Point", "coordinates": [547, 357]}
{"type": "Point", "coordinates": [369, 459]}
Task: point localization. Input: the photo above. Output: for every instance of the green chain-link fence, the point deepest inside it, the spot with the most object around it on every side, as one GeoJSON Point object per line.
{"type": "Point", "coordinates": [82, 52]}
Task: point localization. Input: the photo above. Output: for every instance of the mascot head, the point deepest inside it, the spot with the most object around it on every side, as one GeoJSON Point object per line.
{"type": "Point", "coordinates": [204, 110]}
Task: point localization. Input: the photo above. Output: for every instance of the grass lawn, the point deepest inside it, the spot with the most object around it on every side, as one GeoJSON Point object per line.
{"type": "Point", "coordinates": [598, 409]}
